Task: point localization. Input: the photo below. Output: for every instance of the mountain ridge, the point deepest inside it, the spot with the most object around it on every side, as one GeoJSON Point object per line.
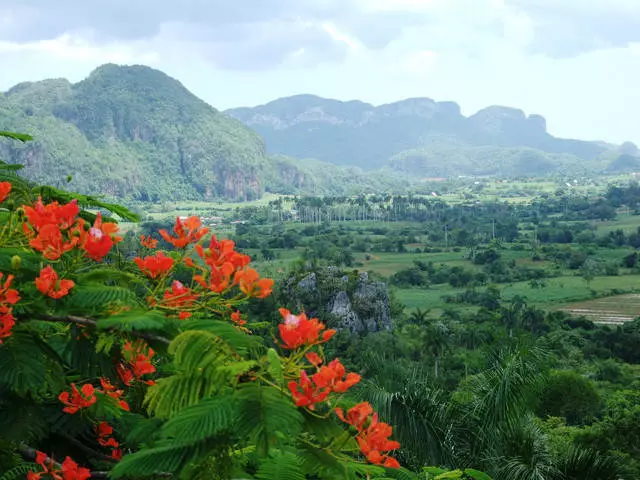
{"type": "Point", "coordinates": [308, 126]}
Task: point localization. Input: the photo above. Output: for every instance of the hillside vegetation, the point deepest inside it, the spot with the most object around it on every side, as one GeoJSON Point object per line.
{"type": "Point", "coordinates": [135, 133]}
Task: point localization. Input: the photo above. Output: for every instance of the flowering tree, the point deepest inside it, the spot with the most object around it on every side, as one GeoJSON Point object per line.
{"type": "Point", "coordinates": [117, 369]}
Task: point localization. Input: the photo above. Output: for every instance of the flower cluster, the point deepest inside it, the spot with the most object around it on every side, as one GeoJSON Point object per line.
{"type": "Point", "coordinates": [154, 266]}
{"type": "Point", "coordinates": [111, 391]}
{"type": "Point", "coordinates": [69, 470]}
{"type": "Point", "coordinates": [330, 378]}
{"type": "Point", "coordinates": [78, 399]}
{"type": "Point", "coordinates": [55, 229]}
{"type": "Point", "coordinates": [105, 432]}
{"type": "Point", "coordinates": [373, 435]}
{"type": "Point", "coordinates": [137, 363]}
{"type": "Point", "coordinates": [298, 331]}
{"type": "Point", "coordinates": [179, 297]}
{"type": "Point", "coordinates": [8, 297]}
{"type": "Point", "coordinates": [186, 233]}
{"type": "Point", "coordinates": [49, 284]}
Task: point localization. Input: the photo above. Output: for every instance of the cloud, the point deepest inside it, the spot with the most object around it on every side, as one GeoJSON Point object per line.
{"type": "Point", "coordinates": [568, 28]}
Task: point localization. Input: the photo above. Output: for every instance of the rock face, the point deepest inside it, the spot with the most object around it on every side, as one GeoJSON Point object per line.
{"type": "Point", "coordinates": [347, 302]}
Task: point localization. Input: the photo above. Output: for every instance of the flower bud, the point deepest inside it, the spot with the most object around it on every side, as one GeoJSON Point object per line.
{"type": "Point", "coordinates": [15, 262]}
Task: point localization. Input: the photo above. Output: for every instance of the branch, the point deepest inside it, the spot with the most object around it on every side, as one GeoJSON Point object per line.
{"type": "Point", "coordinates": [90, 451]}
{"type": "Point", "coordinates": [92, 323]}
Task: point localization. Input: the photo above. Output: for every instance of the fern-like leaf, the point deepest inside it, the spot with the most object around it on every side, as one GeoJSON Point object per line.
{"type": "Point", "coordinates": [20, 472]}
{"type": "Point", "coordinates": [285, 466]}
{"type": "Point", "coordinates": [134, 320]}
{"type": "Point", "coordinates": [266, 416]}
{"type": "Point", "coordinates": [202, 421]}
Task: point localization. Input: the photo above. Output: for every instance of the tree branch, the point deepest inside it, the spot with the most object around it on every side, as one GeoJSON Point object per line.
{"type": "Point", "coordinates": [89, 450]}
{"type": "Point", "coordinates": [92, 323]}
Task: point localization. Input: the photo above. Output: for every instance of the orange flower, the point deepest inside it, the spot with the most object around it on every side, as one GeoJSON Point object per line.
{"type": "Point", "coordinates": [333, 376]}
{"type": "Point", "coordinates": [219, 278]}
{"type": "Point", "coordinates": [5, 189]}
{"type": "Point", "coordinates": [97, 242]}
{"type": "Point", "coordinates": [252, 285]}
{"type": "Point", "coordinates": [79, 399]}
{"type": "Point", "coordinates": [237, 319]}
{"type": "Point", "coordinates": [374, 439]}
{"type": "Point", "coordinates": [187, 232]}
{"type": "Point", "coordinates": [51, 243]}
{"type": "Point", "coordinates": [179, 296]}
{"type": "Point", "coordinates": [222, 252]}
{"type": "Point", "coordinates": [8, 295]}
{"type": "Point", "coordinates": [154, 266]}
{"type": "Point", "coordinates": [313, 358]}
{"type": "Point", "coordinates": [138, 363]}
{"type": "Point", "coordinates": [104, 431]}
{"type": "Point", "coordinates": [148, 242]}
{"type": "Point", "coordinates": [305, 393]}
{"type": "Point", "coordinates": [297, 331]}
{"type": "Point", "coordinates": [69, 469]}
{"type": "Point", "coordinates": [48, 283]}
{"type": "Point", "coordinates": [64, 216]}
{"type": "Point", "coordinates": [112, 392]}
{"type": "Point", "coordinates": [7, 321]}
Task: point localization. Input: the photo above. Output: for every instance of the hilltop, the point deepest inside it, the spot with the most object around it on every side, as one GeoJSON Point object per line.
{"type": "Point", "coordinates": [134, 132]}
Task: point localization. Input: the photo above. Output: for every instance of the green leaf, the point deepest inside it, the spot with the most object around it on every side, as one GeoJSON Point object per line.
{"type": "Point", "coordinates": [134, 320]}
{"type": "Point", "coordinates": [238, 340]}
{"type": "Point", "coordinates": [22, 137]}
{"type": "Point", "coordinates": [12, 167]}
{"type": "Point", "coordinates": [285, 466]}
{"type": "Point", "coordinates": [275, 365]}
{"type": "Point", "coordinates": [202, 421]}
{"type": "Point", "coordinates": [266, 415]}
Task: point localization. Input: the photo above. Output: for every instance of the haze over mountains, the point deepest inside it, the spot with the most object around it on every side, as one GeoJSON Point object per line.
{"type": "Point", "coordinates": [134, 132]}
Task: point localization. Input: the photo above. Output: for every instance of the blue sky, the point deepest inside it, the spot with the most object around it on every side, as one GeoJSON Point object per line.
{"type": "Point", "coordinates": [576, 62]}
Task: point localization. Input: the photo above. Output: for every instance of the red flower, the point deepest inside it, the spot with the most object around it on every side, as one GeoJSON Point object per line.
{"type": "Point", "coordinates": [48, 466]}
{"type": "Point", "coordinates": [219, 278]}
{"type": "Point", "coordinates": [222, 252]}
{"type": "Point", "coordinates": [252, 285]}
{"type": "Point", "coordinates": [237, 318]}
{"type": "Point", "coordinates": [306, 394]}
{"type": "Point", "coordinates": [8, 295]}
{"type": "Point", "coordinates": [7, 322]}
{"type": "Point", "coordinates": [51, 243]}
{"type": "Point", "coordinates": [297, 331]}
{"type": "Point", "coordinates": [79, 399]}
{"type": "Point", "coordinates": [113, 392]}
{"type": "Point", "coordinates": [179, 296]}
{"type": "Point", "coordinates": [333, 376]}
{"type": "Point", "coordinates": [5, 189]}
{"type": "Point", "coordinates": [138, 363]}
{"type": "Point", "coordinates": [148, 242]}
{"type": "Point", "coordinates": [64, 216]}
{"type": "Point", "coordinates": [97, 242]}
{"type": "Point", "coordinates": [116, 454]}
{"type": "Point", "coordinates": [313, 358]}
{"type": "Point", "coordinates": [154, 266]}
{"type": "Point", "coordinates": [187, 232]}
{"type": "Point", "coordinates": [71, 471]}
{"type": "Point", "coordinates": [49, 284]}
{"type": "Point", "coordinates": [374, 439]}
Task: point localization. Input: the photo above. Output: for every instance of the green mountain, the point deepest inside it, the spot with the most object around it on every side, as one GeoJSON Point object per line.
{"type": "Point", "coordinates": [133, 132]}
{"type": "Point", "coordinates": [418, 136]}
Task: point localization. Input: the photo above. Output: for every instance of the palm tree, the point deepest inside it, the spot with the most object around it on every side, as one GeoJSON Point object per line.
{"type": "Point", "coordinates": [437, 342]}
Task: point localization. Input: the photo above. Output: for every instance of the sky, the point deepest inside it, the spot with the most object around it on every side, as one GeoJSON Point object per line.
{"type": "Point", "coordinates": [576, 62]}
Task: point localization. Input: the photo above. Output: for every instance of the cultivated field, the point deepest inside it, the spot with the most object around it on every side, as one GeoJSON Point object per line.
{"type": "Point", "coordinates": [614, 310]}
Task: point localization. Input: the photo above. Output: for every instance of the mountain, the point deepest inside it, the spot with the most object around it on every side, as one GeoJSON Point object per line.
{"type": "Point", "coordinates": [134, 132]}
{"type": "Point", "coordinates": [494, 140]}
